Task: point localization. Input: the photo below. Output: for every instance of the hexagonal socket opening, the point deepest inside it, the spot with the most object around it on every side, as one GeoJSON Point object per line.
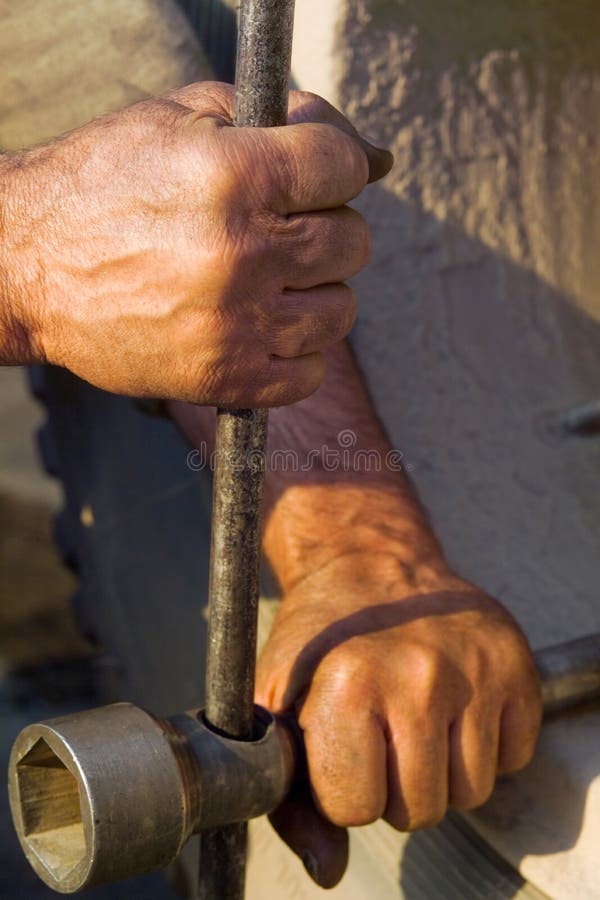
{"type": "Point", "coordinates": [50, 810]}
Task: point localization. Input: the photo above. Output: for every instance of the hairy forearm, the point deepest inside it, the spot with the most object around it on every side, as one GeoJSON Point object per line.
{"type": "Point", "coordinates": [335, 491]}
{"type": "Point", "coordinates": [19, 339]}
{"type": "Point", "coordinates": [343, 492]}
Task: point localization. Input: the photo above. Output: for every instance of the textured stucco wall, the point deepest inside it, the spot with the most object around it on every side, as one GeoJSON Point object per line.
{"type": "Point", "coordinates": [480, 326]}
{"type": "Point", "coordinates": [479, 314]}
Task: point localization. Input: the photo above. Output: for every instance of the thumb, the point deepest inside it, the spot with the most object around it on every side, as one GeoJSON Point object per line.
{"type": "Point", "coordinates": [305, 107]}
{"type": "Point", "coordinates": [380, 160]}
{"type": "Point", "coordinates": [213, 98]}
{"type": "Point", "coordinates": [322, 846]}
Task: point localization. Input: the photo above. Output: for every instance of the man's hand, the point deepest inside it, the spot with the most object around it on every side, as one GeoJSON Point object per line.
{"type": "Point", "coordinates": [161, 252]}
{"type": "Point", "coordinates": [413, 687]}
{"type": "Point", "coordinates": [412, 698]}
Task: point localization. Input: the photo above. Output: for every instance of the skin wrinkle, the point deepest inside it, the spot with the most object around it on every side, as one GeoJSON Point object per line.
{"type": "Point", "coordinates": [128, 233]}
{"type": "Point", "coordinates": [369, 601]}
{"type": "Point", "coordinates": [341, 543]}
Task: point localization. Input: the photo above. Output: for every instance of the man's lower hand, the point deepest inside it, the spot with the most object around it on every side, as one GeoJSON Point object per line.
{"type": "Point", "coordinates": [412, 698]}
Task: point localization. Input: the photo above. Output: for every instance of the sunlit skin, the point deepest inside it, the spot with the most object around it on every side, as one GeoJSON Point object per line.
{"type": "Point", "coordinates": [412, 686]}
{"type": "Point", "coordinates": [161, 252]}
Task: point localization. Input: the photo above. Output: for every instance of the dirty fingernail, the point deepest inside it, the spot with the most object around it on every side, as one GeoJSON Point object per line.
{"type": "Point", "coordinates": [374, 143]}
{"type": "Point", "coordinates": [380, 162]}
{"type": "Point", "coordinates": [310, 864]}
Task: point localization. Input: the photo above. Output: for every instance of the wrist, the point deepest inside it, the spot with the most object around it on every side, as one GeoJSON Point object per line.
{"type": "Point", "coordinates": [20, 274]}
{"type": "Point", "coordinates": [357, 535]}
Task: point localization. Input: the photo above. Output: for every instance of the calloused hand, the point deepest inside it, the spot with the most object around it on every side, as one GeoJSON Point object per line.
{"type": "Point", "coordinates": [160, 252]}
{"type": "Point", "coordinates": [411, 699]}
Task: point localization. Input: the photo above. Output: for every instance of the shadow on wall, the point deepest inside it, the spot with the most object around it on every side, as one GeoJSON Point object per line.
{"type": "Point", "coordinates": [479, 321]}
{"type": "Point", "coordinates": [560, 33]}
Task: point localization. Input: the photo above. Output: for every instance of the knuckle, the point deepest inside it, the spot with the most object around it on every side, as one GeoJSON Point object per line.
{"type": "Point", "coordinates": [346, 672]}
{"type": "Point", "coordinates": [269, 372]}
{"type": "Point", "coordinates": [227, 373]}
{"type": "Point", "coordinates": [523, 759]}
{"type": "Point", "coordinates": [426, 670]}
{"type": "Point", "coordinates": [516, 757]}
{"type": "Point", "coordinates": [463, 798]}
{"type": "Point", "coordinates": [359, 225]}
{"type": "Point", "coordinates": [311, 377]}
{"type": "Point", "coordinates": [426, 818]}
{"type": "Point", "coordinates": [414, 817]}
{"type": "Point", "coordinates": [333, 151]}
{"type": "Point", "coordinates": [479, 665]}
{"type": "Point", "coordinates": [213, 383]}
{"type": "Point", "coordinates": [337, 315]}
{"type": "Point", "coordinates": [398, 819]}
{"type": "Point", "coordinates": [354, 237]}
{"type": "Point", "coordinates": [352, 815]}
{"type": "Point", "coordinates": [282, 383]}
{"type": "Point", "coordinates": [310, 99]}
{"type": "Point", "coordinates": [366, 242]}
{"type": "Point", "coordinates": [246, 248]}
{"type": "Point", "coordinates": [431, 817]}
{"type": "Point", "coordinates": [336, 241]}
{"type": "Point", "coordinates": [348, 313]}
{"type": "Point", "coordinates": [271, 243]}
{"type": "Point", "coordinates": [474, 792]}
{"type": "Point", "coordinates": [519, 744]}
{"type": "Point", "coordinates": [311, 107]}
{"type": "Point", "coordinates": [354, 159]}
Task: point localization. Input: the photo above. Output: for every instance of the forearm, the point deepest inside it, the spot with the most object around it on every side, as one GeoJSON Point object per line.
{"type": "Point", "coordinates": [335, 491]}
{"type": "Point", "coordinates": [19, 338]}
{"type": "Point", "coordinates": [412, 687]}
{"type": "Point", "coordinates": [346, 494]}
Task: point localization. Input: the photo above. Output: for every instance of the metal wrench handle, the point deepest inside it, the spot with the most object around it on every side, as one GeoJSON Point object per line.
{"type": "Point", "coordinates": [112, 793]}
{"type": "Point", "coordinates": [262, 86]}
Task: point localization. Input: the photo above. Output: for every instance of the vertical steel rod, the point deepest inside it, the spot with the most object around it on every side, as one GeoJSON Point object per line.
{"type": "Point", "coordinates": [262, 85]}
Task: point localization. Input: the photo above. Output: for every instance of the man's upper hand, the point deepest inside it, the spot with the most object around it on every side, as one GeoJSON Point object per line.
{"type": "Point", "coordinates": [160, 252]}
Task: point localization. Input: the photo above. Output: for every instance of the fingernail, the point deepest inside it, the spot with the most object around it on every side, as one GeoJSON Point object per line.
{"type": "Point", "coordinates": [387, 155]}
{"type": "Point", "coordinates": [583, 420]}
{"type": "Point", "coordinates": [376, 146]}
{"type": "Point", "coordinates": [310, 864]}
{"type": "Point", "coordinates": [380, 163]}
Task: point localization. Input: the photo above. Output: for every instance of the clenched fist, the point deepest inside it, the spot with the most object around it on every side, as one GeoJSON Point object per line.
{"type": "Point", "coordinates": [161, 252]}
{"type": "Point", "coordinates": [411, 698]}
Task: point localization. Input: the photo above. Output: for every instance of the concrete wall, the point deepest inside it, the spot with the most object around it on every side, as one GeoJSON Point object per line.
{"type": "Point", "coordinates": [480, 326]}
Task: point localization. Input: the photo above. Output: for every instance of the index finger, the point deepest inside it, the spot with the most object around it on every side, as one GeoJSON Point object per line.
{"type": "Point", "coordinates": [307, 107]}
{"type": "Point", "coordinates": [307, 167]}
{"type": "Point", "coordinates": [320, 141]}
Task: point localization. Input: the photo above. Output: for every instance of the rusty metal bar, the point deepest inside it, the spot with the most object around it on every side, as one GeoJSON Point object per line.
{"type": "Point", "coordinates": [262, 86]}
{"type": "Point", "coordinates": [115, 792]}
{"type": "Point", "coordinates": [569, 673]}
{"type": "Point", "coordinates": [234, 573]}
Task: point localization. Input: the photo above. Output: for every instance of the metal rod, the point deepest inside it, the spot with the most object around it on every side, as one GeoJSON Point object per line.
{"type": "Point", "coordinates": [234, 573]}
{"type": "Point", "coordinates": [115, 769]}
{"type": "Point", "coordinates": [569, 673]}
{"type": "Point", "coordinates": [262, 86]}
